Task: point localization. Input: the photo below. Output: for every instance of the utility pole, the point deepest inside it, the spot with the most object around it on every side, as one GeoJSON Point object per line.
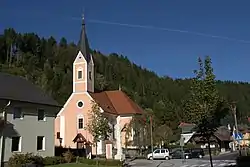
{"type": "Point", "coordinates": [236, 124]}
{"type": "Point", "coordinates": [151, 131]}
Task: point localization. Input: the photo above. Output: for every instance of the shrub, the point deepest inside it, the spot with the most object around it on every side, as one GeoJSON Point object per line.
{"type": "Point", "coordinates": [17, 160]}
{"type": "Point", "coordinates": [37, 160]}
{"type": "Point", "coordinates": [104, 162]}
{"type": "Point", "coordinates": [53, 161]}
{"type": "Point", "coordinates": [189, 145]}
{"type": "Point", "coordinates": [110, 162]}
{"type": "Point", "coordinates": [68, 156]}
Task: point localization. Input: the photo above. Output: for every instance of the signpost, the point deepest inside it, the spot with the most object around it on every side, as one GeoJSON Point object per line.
{"type": "Point", "coordinates": [182, 145]}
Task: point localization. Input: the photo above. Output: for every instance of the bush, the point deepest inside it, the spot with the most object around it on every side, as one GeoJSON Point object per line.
{"type": "Point", "coordinates": [17, 160]}
{"type": "Point", "coordinates": [189, 146]}
{"type": "Point", "coordinates": [53, 161]}
{"type": "Point", "coordinates": [68, 156]}
{"type": "Point", "coordinates": [104, 162]}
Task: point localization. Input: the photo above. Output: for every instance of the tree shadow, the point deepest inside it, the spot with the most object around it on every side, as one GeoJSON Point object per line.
{"type": "Point", "coordinates": [9, 131]}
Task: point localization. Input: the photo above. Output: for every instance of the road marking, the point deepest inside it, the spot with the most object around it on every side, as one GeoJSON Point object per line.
{"type": "Point", "coordinates": [194, 166]}
{"type": "Point", "coordinates": [184, 166]}
{"type": "Point", "coordinates": [203, 165]}
{"type": "Point", "coordinates": [223, 164]}
{"type": "Point", "coordinates": [233, 163]}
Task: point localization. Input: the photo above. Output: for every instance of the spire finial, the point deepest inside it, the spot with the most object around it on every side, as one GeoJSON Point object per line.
{"type": "Point", "coordinates": [83, 22]}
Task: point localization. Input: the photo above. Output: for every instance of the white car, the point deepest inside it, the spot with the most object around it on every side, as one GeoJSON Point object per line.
{"type": "Point", "coordinates": [159, 154]}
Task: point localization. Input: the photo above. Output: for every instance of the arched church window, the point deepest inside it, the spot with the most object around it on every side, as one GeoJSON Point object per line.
{"type": "Point", "coordinates": [90, 77]}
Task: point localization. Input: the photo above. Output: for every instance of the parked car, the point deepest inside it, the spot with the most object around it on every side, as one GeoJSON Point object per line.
{"type": "Point", "coordinates": [197, 153]}
{"type": "Point", "coordinates": [187, 153]}
{"type": "Point", "coordinates": [180, 154]}
{"type": "Point", "coordinates": [159, 154]}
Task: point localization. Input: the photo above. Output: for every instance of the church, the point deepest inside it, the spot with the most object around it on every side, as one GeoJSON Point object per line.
{"type": "Point", "coordinates": [71, 121]}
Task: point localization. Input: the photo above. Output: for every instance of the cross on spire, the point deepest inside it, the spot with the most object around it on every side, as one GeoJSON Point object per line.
{"type": "Point", "coordinates": [84, 45]}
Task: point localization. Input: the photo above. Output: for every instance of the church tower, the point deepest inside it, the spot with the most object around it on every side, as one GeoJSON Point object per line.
{"type": "Point", "coordinates": [83, 66]}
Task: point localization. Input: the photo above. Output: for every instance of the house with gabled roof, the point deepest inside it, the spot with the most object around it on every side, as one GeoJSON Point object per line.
{"type": "Point", "coordinates": [74, 116]}
{"type": "Point", "coordinates": [27, 118]}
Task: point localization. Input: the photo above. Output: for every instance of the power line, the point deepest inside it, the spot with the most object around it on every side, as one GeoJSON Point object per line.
{"type": "Point", "coordinates": [164, 29]}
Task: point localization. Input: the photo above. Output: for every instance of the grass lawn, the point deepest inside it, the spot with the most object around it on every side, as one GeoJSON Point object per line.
{"type": "Point", "coordinates": [75, 165]}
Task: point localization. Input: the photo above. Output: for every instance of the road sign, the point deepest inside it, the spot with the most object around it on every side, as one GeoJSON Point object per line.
{"type": "Point", "coordinates": [238, 136]}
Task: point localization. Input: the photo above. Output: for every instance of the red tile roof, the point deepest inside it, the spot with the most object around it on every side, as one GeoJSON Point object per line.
{"type": "Point", "coordinates": [116, 102]}
{"type": "Point", "coordinates": [185, 124]}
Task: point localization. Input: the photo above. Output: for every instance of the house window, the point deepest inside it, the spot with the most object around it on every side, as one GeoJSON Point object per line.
{"type": "Point", "coordinates": [90, 77]}
{"type": "Point", "coordinates": [58, 135]}
{"type": "Point", "coordinates": [41, 115]}
{"type": "Point", "coordinates": [16, 144]}
{"type": "Point", "coordinates": [18, 114]}
{"type": "Point", "coordinates": [40, 143]}
{"type": "Point", "coordinates": [80, 123]}
{"type": "Point", "coordinates": [79, 74]}
{"type": "Point", "coordinates": [113, 127]}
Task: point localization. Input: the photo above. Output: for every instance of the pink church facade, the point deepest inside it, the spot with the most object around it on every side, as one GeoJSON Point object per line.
{"type": "Point", "coordinates": [71, 121]}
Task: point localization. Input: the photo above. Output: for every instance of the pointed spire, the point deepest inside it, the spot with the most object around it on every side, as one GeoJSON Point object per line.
{"type": "Point", "coordinates": [84, 45]}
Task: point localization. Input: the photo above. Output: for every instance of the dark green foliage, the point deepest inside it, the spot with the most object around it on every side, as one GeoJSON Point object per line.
{"type": "Point", "coordinates": [103, 162]}
{"type": "Point", "coordinates": [68, 156]}
{"type": "Point", "coordinates": [49, 65]}
{"type": "Point", "coordinates": [47, 161]}
{"type": "Point", "coordinates": [17, 160]}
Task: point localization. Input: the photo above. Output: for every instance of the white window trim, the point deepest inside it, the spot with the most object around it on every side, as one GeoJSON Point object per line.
{"type": "Point", "coordinates": [79, 69]}
{"type": "Point", "coordinates": [22, 114]}
{"type": "Point", "coordinates": [80, 117]}
{"type": "Point", "coordinates": [19, 145]}
{"type": "Point", "coordinates": [44, 119]}
{"type": "Point", "coordinates": [43, 144]}
{"type": "Point", "coordinates": [78, 102]}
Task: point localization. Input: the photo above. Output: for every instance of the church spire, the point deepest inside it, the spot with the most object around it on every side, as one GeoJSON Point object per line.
{"type": "Point", "coordinates": [84, 45]}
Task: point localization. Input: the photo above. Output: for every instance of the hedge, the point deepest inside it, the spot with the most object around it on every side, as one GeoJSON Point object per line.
{"type": "Point", "coordinates": [18, 160]}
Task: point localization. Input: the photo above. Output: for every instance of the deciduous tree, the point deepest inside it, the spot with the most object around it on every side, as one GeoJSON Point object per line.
{"type": "Point", "coordinates": [204, 107]}
{"type": "Point", "coordinates": [98, 125]}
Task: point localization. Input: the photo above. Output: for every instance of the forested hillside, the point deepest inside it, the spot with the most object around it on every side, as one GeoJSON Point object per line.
{"type": "Point", "coordinates": [48, 63]}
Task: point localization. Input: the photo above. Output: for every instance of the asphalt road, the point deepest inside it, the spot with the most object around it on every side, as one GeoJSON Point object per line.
{"type": "Point", "coordinates": [180, 163]}
{"type": "Point", "coordinates": [225, 156]}
{"type": "Point", "coordinates": [218, 161]}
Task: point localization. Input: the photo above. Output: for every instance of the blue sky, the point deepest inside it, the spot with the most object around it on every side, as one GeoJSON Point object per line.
{"type": "Point", "coordinates": [165, 52]}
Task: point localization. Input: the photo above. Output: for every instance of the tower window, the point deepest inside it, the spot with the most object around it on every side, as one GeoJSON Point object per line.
{"type": "Point", "coordinates": [79, 74]}
{"type": "Point", "coordinates": [90, 75]}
